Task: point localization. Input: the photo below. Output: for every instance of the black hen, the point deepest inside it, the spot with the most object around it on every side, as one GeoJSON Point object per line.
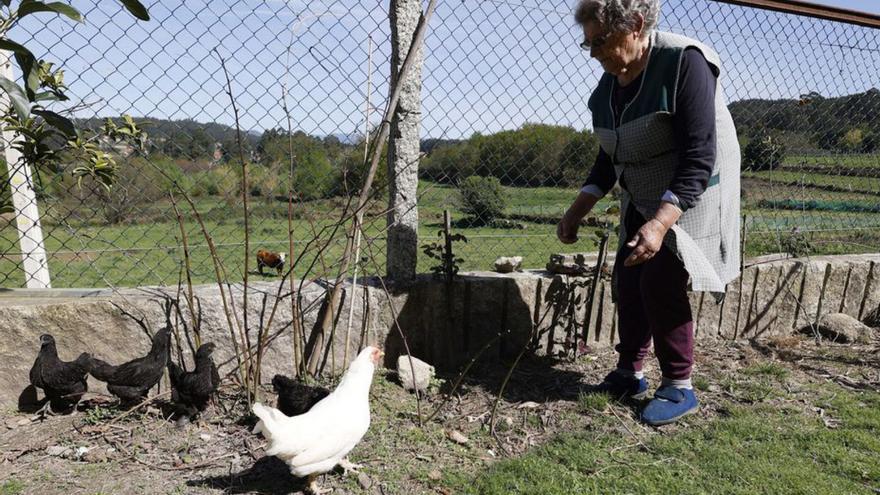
{"type": "Point", "coordinates": [193, 389]}
{"type": "Point", "coordinates": [133, 380]}
{"type": "Point", "coordinates": [63, 382]}
{"type": "Point", "coordinates": [295, 398]}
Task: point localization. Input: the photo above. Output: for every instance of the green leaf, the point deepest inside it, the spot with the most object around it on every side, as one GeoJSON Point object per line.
{"type": "Point", "coordinates": [48, 96]}
{"type": "Point", "coordinates": [8, 44]}
{"type": "Point", "coordinates": [136, 9]}
{"type": "Point", "coordinates": [19, 98]}
{"type": "Point", "coordinates": [59, 122]}
{"type": "Point", "coordinates": [32, 7]}
{"type": "Point", "coordinates": [31, 73]}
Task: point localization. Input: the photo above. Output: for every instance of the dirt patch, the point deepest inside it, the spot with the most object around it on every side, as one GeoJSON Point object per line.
{"type": "Point", "coordinates": [148, 452]}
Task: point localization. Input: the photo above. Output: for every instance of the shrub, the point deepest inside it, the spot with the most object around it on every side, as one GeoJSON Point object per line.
{"type": "Point", "coordinates": [482, 198]}
{"type": "Point", "coordinates": [764, 152]}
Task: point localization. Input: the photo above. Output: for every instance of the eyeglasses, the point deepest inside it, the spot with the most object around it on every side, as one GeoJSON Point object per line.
{"type": "Point", "coordinates": [597, 42]}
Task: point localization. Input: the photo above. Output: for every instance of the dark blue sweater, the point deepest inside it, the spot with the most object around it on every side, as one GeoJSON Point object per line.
{"type": "Point", "coordinates": [693, 127]}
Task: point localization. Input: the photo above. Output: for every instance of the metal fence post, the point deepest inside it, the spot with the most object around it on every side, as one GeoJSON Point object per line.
{"type": "Point", "coordinates": [403, 146]}
{"type": "Point", "coordinates": [27, 216]}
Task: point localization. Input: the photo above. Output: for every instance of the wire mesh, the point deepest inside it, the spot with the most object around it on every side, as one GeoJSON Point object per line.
{"type": "Point", "coordinates": [504, 96]}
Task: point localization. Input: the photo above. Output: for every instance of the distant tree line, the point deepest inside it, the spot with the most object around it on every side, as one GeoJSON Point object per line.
{"type": "Point", "coordinates": [533, 155]}
{"type": "Point", "coordinates": [848, 123]}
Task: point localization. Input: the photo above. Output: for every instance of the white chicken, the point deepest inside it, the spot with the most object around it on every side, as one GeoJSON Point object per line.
{"type": "Point", "coordinates": [315, 442]}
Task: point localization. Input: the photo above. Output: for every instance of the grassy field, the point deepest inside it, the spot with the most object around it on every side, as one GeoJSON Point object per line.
{"type": "Point", "coordinates": [858, 184]}
{"type": "Point", "coordinates": [834, 160]}
{"type": "Point", "coordinates": [85, 252]}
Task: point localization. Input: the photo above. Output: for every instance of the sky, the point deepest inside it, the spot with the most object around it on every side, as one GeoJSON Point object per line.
{"type": "Point", "coordinates": [870, 6]}
{"type": "Point", "coordinates": [489, 64]}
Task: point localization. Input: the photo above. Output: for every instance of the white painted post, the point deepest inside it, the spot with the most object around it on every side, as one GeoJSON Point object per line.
{"type": "Point", "coordinates": [27, 216]}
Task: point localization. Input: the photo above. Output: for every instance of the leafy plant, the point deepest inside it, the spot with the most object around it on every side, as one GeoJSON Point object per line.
{"type": "Point", "coordinates": [764, 152]}
{"type": "Point", "coordinates": [449, 264]}
{"type": "Point", "coordinates": [46, 134]}
{"type": "Point", "coordinates": [796, 243]}
{"type": "Point", "coordinates": [97, 415]}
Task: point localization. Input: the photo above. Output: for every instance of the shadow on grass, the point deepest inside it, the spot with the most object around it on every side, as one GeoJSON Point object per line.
{"type": "Point", "coordinates": [269, 475]}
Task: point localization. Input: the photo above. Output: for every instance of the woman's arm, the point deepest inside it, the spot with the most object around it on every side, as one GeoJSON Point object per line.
{"type": "Point", "coordinates": [601, 179]}
{"type": "Point", "coordinates": [694, 131]}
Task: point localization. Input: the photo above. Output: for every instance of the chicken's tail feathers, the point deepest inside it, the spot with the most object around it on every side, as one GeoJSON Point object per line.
{"type": "Point", "coordinates": [174, 372]}
{"type": "Point", "coordinates": [102, 370]}
{"type": "Point", "coordinates": [269, 417]}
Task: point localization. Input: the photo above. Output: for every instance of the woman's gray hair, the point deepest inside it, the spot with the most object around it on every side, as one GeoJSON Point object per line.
{"type": "Point", "coordinates": [619, 15]}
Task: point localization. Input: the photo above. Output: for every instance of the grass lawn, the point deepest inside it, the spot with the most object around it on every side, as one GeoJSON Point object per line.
{"type": "Point", "coordinates": [762, 441]}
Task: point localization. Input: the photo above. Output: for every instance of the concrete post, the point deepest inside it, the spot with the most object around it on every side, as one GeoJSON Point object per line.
{"type": "Point", "coordinates": [24, 199]}
{"type": "Point", "coordinates": [403, 146]}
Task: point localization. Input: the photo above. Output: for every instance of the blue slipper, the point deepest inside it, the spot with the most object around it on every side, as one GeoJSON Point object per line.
{"type": "Point", "coordinates": [617, 386]}
{"type": "Point", "coordinates": [669, 404]}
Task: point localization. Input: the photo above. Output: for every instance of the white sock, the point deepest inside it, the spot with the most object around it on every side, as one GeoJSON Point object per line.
{"type": "Point", "coordinates": [686, 383]}
{"type": "Point", "coordinates": [630, 373]}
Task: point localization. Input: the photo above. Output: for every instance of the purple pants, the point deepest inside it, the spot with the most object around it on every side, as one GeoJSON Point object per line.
{"type": "Point", "coordinates": [652, 302]}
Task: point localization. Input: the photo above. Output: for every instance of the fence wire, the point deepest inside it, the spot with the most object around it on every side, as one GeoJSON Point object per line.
{"type": "Point", "coordinates": [504, 97]}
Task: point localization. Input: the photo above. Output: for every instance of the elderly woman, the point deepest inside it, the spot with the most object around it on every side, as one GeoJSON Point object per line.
{"type": "Point", "coordinates": [667, 138]}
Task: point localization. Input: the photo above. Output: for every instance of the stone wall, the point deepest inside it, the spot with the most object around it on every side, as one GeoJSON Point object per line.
{"type": "Point", "coordinates": [481, 312]}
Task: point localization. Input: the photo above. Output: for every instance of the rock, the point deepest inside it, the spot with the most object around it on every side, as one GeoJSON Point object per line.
{"type": "Point", "coordinates": [507, 264]}
{"type": "Point", "coordinates": [57, 450]}
{"type": "Point", "coordinates": [457, 437]}
{"type": "Point", "coordinates": [205, 437]}
{"type": "Point", "coordinates": [12, 423]}
{"type": "Point", "coordinates": [842, 328]}
{"type": "Point", "coordinates": [424, 372]}
{"type": "Point", "coordinates": [569, 264]}
{"type": "Point", "coordinates": [95, 456]}
{"type": "Point", "coordinates": [80, 452]}
{"type": "Point", "coordinates": [364, 481]}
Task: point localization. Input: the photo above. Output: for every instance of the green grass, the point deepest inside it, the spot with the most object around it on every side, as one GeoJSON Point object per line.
{"type": "Point", "coordinates": [84, 252]}
{"type": "Point", "coordinates": [763, 448]}
{"type": "Point", "coordinates": [593, 402]}
{"type": "Point", "coordinates": [834, 160]}
{"type": "Point", "coordinates": [11, 487]}
{"type": "Point", "coordinates": [869, 184]}
{"type": "Point", "coordinates": [769, 369]}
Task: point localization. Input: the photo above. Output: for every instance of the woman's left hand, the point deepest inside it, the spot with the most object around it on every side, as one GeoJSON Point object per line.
{"type": "Point", "coordinates": [646, 242]}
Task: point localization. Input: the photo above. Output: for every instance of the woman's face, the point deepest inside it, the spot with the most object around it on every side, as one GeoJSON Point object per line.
{"type": "Point", "coordinates": [614, 50]}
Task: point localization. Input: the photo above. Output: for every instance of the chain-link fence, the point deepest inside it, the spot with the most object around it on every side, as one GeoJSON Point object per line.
{"type": "Point", "coordinates": [504, 95]}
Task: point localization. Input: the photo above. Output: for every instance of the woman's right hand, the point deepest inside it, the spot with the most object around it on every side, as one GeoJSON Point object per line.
{"type": "Point", "coordinates": [567, 229]}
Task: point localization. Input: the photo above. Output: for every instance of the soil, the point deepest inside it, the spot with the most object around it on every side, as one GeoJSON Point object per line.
{"type": "Point", "coordinates": [102, 450]}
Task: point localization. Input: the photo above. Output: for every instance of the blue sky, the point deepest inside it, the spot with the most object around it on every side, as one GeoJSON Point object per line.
{"type": "Point", "coordinates": [870, 6]}
{"type": "Point", "coordinates": [489, 64]}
